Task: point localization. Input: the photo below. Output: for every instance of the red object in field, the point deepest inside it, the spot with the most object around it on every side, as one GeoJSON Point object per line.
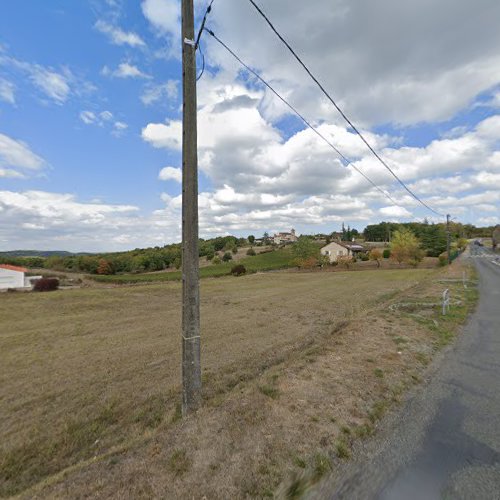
{"type": "Point", "coordinates": [13, 268]}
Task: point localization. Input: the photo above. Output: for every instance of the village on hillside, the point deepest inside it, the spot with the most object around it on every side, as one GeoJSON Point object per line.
{"type": "Point", "coordinates": [379, 246]}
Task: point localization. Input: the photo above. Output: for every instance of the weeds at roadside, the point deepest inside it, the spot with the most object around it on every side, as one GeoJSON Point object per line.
{"type": "Point", "coordinates": [299, 462]}
{"type": "Point", "coordinates": [363, 431]}
{"type": "Point", "coordinates": [342, 449]}
{"type": "Point", "coordinates": [321, 465]}
{"type": "Point", "coordinates": [378, 410]}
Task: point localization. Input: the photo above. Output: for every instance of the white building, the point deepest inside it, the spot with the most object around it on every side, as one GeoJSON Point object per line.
{"type": "Point", "coordinates": [334, 250]}
{"type": "Point", "coordinates": [290, 237]}
{"type": "Point", "coordinates": [14, 277]}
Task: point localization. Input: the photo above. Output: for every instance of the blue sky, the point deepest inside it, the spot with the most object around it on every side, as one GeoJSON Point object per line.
{"type": "Point", "coordinates": [86, 160]}
{"type": "Point", "coordinates": [90, 95]}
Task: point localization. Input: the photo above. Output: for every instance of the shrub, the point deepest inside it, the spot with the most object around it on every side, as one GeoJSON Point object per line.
{"type": "Point", "coordinates": [443, 259]}
{"type": "Point", "coordinates": [307, 263]}
{"type": "Point", "coordinates": [46, 285]}
{"type": "Point", "coordinates": [251, 252]}
{"type": "Point", "coordinates": [216, 260]}
{"type": "Point", "coordinates": [210, 256]}
{"type": "Point", "coordinates": [345, 261]}
{"type": "Point", "coordinates": [238, 270]}
{"type": "Point", "coordinates": [227, 257]}
{"type": "Point", "coordinates": [234, 250]}
{"type": "Point", "coordinates": [364, 257]}
{"type": "Point", "coordinates": [376, 255]}
{"type": "Point", "coordinates": [386, 253]}
{"type": "Point", "coordinates": [104, 267]}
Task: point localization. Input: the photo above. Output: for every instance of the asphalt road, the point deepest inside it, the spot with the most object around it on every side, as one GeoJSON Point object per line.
{"type": "Point", "coordinates": [445, 443]}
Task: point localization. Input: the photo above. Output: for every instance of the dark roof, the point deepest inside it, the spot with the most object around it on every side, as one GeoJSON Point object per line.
{"type": "Point", "coordinates": [352, 246]}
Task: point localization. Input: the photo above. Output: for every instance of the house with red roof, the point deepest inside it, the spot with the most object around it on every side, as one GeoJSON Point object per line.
{"type": "Point", "coordinates": [14, 277]}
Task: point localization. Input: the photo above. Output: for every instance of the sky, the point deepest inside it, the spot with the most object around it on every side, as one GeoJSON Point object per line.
{"type": "Point", "coordinates": [90, 118]}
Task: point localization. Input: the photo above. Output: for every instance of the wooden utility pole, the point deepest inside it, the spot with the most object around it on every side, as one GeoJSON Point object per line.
{"type": "Point", "coordinates": [191, 369]}
{"type": "Point", "coordinates": [448, 238]}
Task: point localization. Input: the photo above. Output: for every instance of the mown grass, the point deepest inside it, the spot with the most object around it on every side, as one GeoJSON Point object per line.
{"type": "Point", "coordinates": [269, 261]}
{"type": "Point", "coordinates": [86, 370]}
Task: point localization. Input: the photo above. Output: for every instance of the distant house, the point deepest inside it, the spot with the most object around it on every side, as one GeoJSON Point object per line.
{"type": "Point", "coordinates": [14, 277]}
{"type": "Point", "coordinates": [336, 249]}
{"type": "Point", "coordinates": [290, 237]}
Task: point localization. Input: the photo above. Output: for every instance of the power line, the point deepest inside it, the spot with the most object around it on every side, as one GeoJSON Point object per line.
{"type": "Point", "coordinates": [200, 32]}
{"type": "Point", "coordinates": [315, 130]}
{"type": "Point", "coordinates": [259, 10]}
{"type": "Point", "coordinates": [202, 62]}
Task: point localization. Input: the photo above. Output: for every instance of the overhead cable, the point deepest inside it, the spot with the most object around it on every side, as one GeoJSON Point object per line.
{"type": "Point", "coordinates": [314, 129]}
{"type": "Point", "coordinates": [200, 32]}
{"type": "Point", "coordinates": [344, 116]}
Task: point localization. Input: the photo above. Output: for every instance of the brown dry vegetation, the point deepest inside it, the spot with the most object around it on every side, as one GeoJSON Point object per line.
{"type": "Point", "coordinates": [295, 366]}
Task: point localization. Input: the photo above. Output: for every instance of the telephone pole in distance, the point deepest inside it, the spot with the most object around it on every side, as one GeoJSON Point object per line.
{"type": "Point", "coordinates": [448, 237]}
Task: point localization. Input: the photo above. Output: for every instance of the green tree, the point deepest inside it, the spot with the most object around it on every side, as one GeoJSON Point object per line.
{"type": "Point", "coordinates": [304, 248]}
{"type": "Point", "coordinates": [405, 247]}
{"type": "Point", "coordinates": [251, 239]}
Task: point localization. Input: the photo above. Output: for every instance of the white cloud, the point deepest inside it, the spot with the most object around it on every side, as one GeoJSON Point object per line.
{"type": "Point", "coordinates": [250, 165]}
{"type": "Point", "coordinates": [52, 84]}
{"type": "Point", "coordinates": [164, 15]}
{"type": "Point", "coordinates": [170, 173]}
{"type": "Point", "coordinates": [397, 212]}
{"type": "Point", "coordinates": [48, 219]}
{"type": "Point", "coordinates": [154, 93]}
{"type": "Point", "coordinates": [16, 157]}
{"type": "Point", "coordinates": [104, 119]}
{"type": "Point", "coordinates": [7, 91]}
{"type": "Point", "coordinates": [8, 172]}
{"type": "Point", "coordinates": [374, 78]}
{"type": "Point", "coordinates": [119, 128]}
{"type": "Point", "coordinates": [125, 70]}
{"type": "Point", "coordinates": [88, 117]}
{"type": "Point", "coordinates": [161, 135]}
{"type": "Point", "coordinates": [118, 36]}
{"type": "Point", "coordinates": [56, 84]}
{"type": "Point", "coordinates": [106, 115]}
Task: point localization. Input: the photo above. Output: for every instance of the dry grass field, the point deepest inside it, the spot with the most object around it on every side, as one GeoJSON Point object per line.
{"type": "Point", "coordinates": [292, 363]}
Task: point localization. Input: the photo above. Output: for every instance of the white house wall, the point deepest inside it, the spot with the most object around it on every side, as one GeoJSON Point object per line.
{"type": "Point", "coordinates": [11, 279]}
{"type": "Point", "coordinates": [333, 251]}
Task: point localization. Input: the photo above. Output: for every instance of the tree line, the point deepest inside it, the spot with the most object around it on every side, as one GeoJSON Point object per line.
{"type": "Point", "coordinates": [133, 261]}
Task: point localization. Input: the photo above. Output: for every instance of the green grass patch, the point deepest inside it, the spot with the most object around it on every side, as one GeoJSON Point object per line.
{"type": "Point", "coordinates": [179, 462]}
{"type": "Point", "coordinates": [342, 449]}
{"type": "Point", "coordinates": [269, 261]}
{"type": "Point", "coordinates": [321, 465]}
{"type": "Point", "coordinates": [269, 391]}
